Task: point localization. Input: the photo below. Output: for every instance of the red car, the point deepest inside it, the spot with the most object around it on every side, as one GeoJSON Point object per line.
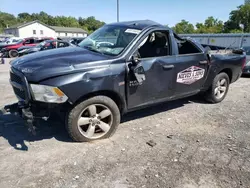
{"type": "Point", "coordinates": [10, 50]}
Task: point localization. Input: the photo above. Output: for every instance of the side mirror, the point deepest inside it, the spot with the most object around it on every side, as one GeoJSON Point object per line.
{"type": "Point", "coordinates": [139, 74]}
{"type": "Point", "coordinates": [135, 58]}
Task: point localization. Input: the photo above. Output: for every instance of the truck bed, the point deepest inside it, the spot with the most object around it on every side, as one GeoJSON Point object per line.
{"type": "Point", "coordinates": [226, 52]}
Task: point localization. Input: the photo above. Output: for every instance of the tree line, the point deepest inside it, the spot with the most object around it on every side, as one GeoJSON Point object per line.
{"type": "Point", "coordinates": [239, 21]}
{"type": "Point", "coordinates": [89, 24]}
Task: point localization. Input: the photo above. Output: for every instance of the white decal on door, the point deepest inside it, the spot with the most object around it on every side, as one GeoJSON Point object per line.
{"type": "Point", "coordinates": [190, 75]}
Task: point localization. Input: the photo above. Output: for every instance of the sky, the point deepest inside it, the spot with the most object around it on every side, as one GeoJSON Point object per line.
{"type": "Point", "coordinates": [163, 11]}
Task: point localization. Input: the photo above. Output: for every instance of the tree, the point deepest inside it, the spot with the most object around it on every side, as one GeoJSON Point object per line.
{"type": "Point", "coordinates": [237, 17]}
{"type": "Point", "coordinates": [90, 23]}
{"type": "Point", "coordinates": [211, 25]}
{"type": "Point", "coordinates": [6, 20]}
{"type": "Point", "coordinates": [184, 27]}
{"type": "Point", "coordinates": [201, 28]}
{"type": "Point", "coordinates": [24, 17]}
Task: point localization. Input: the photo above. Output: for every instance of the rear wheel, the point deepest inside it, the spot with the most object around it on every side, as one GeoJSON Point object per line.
{"type": "Point", "coordinates": [219, 88]}
{"type": "Point", "coordinates": [13, 53]}
{"type": "Point", "coordinates": [93, 119]}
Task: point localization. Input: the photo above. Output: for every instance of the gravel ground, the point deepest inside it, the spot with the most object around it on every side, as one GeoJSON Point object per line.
{"type": "Point", "coordinates": [195, 144]}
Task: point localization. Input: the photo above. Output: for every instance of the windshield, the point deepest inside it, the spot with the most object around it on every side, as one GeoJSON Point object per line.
{"type": "Point", "coordinates": [109, 40]}
{"type": "Point", "coordinates": [19, 41]}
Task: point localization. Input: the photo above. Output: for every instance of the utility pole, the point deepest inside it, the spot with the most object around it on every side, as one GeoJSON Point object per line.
{"type": "Point", "coordinates": [117, 10]}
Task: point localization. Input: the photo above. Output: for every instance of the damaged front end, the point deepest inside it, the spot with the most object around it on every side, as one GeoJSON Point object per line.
{"type": "Point", "coordinates": [34, 101]}
{"type": "Point", "coordinates": [30, 113]}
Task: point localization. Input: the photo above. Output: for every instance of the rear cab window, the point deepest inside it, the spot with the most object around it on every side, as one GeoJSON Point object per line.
{"type": "Point", "coordinates": [186, 47]}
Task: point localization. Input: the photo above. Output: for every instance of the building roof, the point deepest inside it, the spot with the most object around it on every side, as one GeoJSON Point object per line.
{"type": "Point", "coordinates": [68, 29]}
{"type": "Point", "coordinates": [55, 28]}
{"type": "Point", "coordinates": [17, 26]}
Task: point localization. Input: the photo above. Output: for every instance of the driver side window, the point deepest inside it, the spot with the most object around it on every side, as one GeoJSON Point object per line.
{"type": "Point", "coordinates": [156, 44]}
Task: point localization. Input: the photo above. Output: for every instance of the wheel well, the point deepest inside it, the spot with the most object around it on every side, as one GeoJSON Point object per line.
{"type": "Point", "coordinates": [111, 94]}
{"type": "Point", "coordinates": [228, 72]}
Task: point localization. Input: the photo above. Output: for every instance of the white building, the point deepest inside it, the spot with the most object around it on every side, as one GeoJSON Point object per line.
{"type": "Point", "coordinates": [39, 29]}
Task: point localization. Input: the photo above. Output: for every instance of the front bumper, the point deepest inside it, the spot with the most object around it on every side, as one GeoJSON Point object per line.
{"type": "Point", "coordinates": [23, 111]}
{"type": "Point", "coordinates": [34, 111]}
{"type": "Point", "coordinates": [27, 108]}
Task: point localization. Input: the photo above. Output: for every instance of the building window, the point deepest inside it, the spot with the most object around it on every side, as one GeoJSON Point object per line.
{"type": "Point", "coordinates": [41, 32]}
{"type": "Point", "coordinates": [34, 32]}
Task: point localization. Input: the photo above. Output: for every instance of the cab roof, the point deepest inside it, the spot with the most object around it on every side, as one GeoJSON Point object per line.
{"type": "Point", "coordinates": [139, 24]}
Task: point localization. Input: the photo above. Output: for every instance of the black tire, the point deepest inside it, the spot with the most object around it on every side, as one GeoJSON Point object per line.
{"type": "Point", "coordinates": [13, 53]}
{"type": "Point", "coordinates": [210, 95]}
{"type": "Point", "coordinates": [72, 118]}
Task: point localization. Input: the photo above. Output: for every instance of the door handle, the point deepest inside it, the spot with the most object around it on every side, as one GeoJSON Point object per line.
{"type": "Point", "coordinates": [203, 62]}
{"type": "Point", "coordinates": [167, 67]}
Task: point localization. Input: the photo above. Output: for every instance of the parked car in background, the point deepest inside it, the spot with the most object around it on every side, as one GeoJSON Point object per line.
{"type": "Point", "coordinates": [45, 45]}
{"type": "Point", "coordinates": [246, 70]}
{"type": "Point", "coordinates": [5, 48]}
{"type": "Point", "coordinates": [73, 40]}
{"type": "Point", "coordinates": [11, 40]}
{"type": "Point", "coordinates": [10, 50]}
{"type": "Point", "coordinates": [76, 40]}
{"type": "Point", "coordinates": [3, 39]}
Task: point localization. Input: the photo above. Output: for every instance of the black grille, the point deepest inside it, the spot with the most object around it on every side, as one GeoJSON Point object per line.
{"type": "Point", "coordinates": [18, 85]}
{"type": "Point", "coordinates": [19, 93]}
{"type": "Point", "coordinates": [15, 78]}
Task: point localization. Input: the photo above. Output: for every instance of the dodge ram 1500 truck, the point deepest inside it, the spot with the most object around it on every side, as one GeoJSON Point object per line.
{"type": "Point", "coordinates": [119, 68]}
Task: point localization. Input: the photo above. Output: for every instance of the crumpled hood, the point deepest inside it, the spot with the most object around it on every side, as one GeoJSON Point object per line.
{"type": "Point", "coordinates": [56, 62]}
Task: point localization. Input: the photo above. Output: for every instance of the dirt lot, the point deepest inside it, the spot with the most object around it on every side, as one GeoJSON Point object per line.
{"type": "Point", "coordinates": [197, 145]}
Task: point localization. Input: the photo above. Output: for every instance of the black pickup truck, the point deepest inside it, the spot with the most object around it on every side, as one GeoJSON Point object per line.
{"type": "Point", "coordinates": [119, 68]}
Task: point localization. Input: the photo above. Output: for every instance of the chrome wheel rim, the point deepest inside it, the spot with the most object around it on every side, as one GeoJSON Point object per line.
{"type": "Point", "coordinates": [221, 88]}
{"type": "Point", "coordinates": [95, 121]}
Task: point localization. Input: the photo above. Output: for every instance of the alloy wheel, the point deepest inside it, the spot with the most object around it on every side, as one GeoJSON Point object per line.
{"type": "Point", "coordinates": [221, 88]}
{"type": "Point", "coordinates": [95, 121]}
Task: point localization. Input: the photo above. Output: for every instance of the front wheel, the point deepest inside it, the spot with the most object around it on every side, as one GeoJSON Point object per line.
{"type": "Point", "coordinates": [13, 53]}
{"type": "Point", "coordinates": [95, 118]}
{"type": "Point", "coordinates": [219, 88]}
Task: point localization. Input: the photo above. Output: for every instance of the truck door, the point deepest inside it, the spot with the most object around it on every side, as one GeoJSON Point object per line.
{"type": "Point", "coordinates": [150, 71]}
{"type": "Point", "coordinates": [190, 71]}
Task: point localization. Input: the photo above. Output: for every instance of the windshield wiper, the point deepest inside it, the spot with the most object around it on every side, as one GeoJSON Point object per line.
{"type": "Point", "coordinates": [93, 49]}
